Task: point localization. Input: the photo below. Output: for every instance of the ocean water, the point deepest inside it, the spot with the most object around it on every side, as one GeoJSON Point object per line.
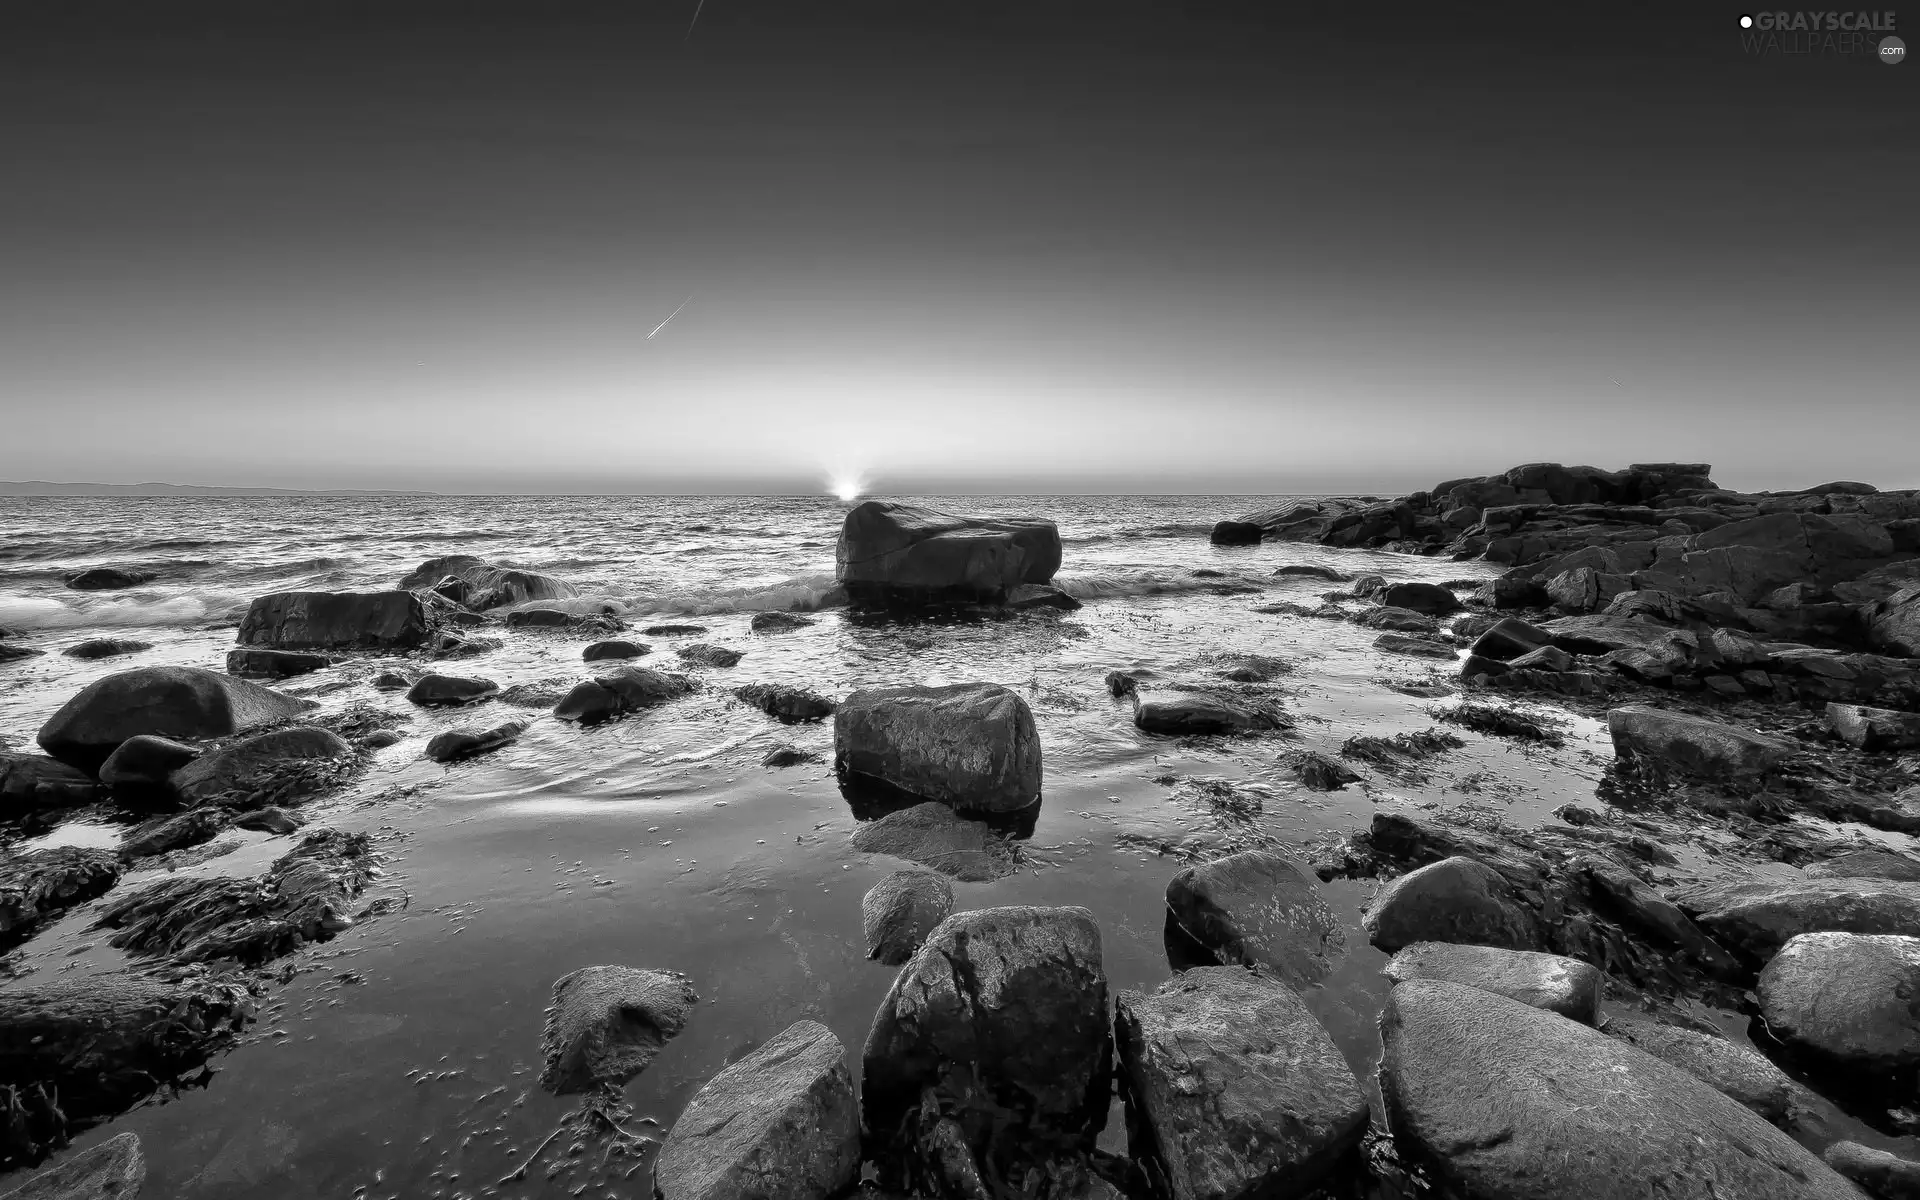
{"type": "Point", "coordinates": [399, 1059]}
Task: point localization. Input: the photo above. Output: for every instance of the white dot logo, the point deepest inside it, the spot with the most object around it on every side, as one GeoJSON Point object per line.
{"type": "Point", "coordinates": [1893, 51]}
{"type": "Point", "coordinates": [1746, 22]}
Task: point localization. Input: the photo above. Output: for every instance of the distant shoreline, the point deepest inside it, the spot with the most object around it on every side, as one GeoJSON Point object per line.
{"type": "Point", "coordinates": [35, 489]}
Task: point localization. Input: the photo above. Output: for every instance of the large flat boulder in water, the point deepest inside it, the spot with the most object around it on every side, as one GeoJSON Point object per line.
{"type": "Point", "coordinates": [396, 620]}
{"type": "Point", "coordinates": [1259, 908]}
{"type": "Point", "coordinates": [898, 554]}
{"type": "Point", "coordinates": [1696, 745]}
{"type": "Point", "coordinates": [972, 746]}
{"type": "Point", "coordinates": [1509, 1102]}
{"type": "Point", "coordinates": [1847, 1003]}
{"type": "Point", "coordinates": [607, 1023]}
{"type": "Point", "coordinates": [933, 835]}
{"type": "Point", "coordinates": [779, 1124]}
{"type": "Point", "coordinates": [1238, 1091]}
{"type": "Point", "coordinates": [177, 702]}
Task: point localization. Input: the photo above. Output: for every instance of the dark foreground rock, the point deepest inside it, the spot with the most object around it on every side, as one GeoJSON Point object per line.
{"type": "Point", "coordinates": [1694, 745]}
{"type": "Point", "coordinates": [278, 764]}
{"type": "Point", "coordinates": [1235, 533]}
{"type": "Point", "coordinates": [787, 755]}
{"type": "Point", "coordinates": [456, 744]}
{"type": "Point", "coordinates": [1848, 1003]}
{"type": "Point", "coordinates": [106, 579]}
{"type": "Point", "coordinates": [933, 835]}
{"type": "Point", "coordinates": [76, 1051]}
{"type": "Point", "coordinates": [480, 585]}
{"type": "Point", "coordinates": [337, 621]}
{"type": "Point", "coordinates": [895, 554]}
{"type": "Point", "coordinates": [779, 1124]}
{"type": "Point", "coordinates": [274, 664]}
{"type": "Point", "coordinates": [1233, 1088]}
{"type": "Point", "coordinates": [701, 654]}
{"type": "Point", "coordinates": [1191, 714]}
{"type": "Point", "coordinates": [94, 648]}
{"type": "Point", "coordinates": [12, 653]}
{"type": "Point", "coordinates": [615, 649]}
{"type": "Point", "coordinates": [1548, 981]}
{"type": "Point", "coordinates": [447, 690]}
{"type": "Point", "coordinates": [175, 702]}
{"type": "Point", "coordinates": [29, 782]}
{"type": "Point", "coordinates": [1738, 1071]}
{"type": "Point", "coordinates": [1867, 864]}
{"type": "Point", "coordinates": [786, 703]}
{"type": "Point", "coordinates": [1455, 900]}
{"type": "Point", "coordinates": [1874, 729]}
{"type": "Point", "coordinates": [39, 886]}
{"type": "Point", "coordinates": [972, 746]}
{"type": "Point", "coordinates": [1258, 908]}
{"type": "Point", "coordinates": [778, 622]}
{"type": "Point", "coordinates": [1507, 1102]}
{"type": "Point", "coordinates": [607, 1023]}
{"type": "Point", "coordinates": [618, 693]}
{"type": "Point", "coordinates": [1324, 773]}
{"type": "Point", "coordinates": [1885, 1175]}
{"type": "Point", "coordinates": [175, 833]}
{"type": "Point", "coordinates": [1001, 1017]}
{"type": "Point", "coordinates": [113, 1170]}
{"type": "Point", "coordinates": [898, 913]}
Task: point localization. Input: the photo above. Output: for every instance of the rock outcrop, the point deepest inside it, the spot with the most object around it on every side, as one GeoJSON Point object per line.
{"type": "Point", "coordinates": [174, 702]}
{"type": "Point", "coordinates": [30, 781]}
{"type": "Point", "coordinates": [479, 585]}
{"type": "Point", "coordinates": [894, 554]}
{"type": "Point", "coordinates": [972, 746]}
{"type": "Point", "coordinates": [1848, 1003]}
{"type": "Point", "coordinates": [240, 772]}
{"type": "Point", "coordinates": [1693, 745]}
{"type": "Point", "coordinates": [337, 621]}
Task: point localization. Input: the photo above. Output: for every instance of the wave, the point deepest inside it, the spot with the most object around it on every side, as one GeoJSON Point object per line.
{"type": "Point", "coordinates": [1109, 585]}
{"type": "Point", "coordinates": [802, 593]}
{"type": "Point", "coordinates": [45, 612]}
{"type": "Point", "coordinates": [302, 566]}
{"type": "Point", "coordinates": [79, 550]}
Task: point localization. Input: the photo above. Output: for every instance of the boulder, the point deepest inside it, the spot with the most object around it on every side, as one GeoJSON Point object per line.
{"type": "Point", "coordinates": [433, 690]}
{"type": "Point", "coordinates": [270, 819]}
{"type": "Point", "coordinates": [94, 648]}
{"type": "Point", "coordinates": [1429, 598]}
{"type": "Point", "coordinates": [456, 744]}
{"type": "Point", "coordinates": [1885, 1175]}
{"type": "Point", "coordinates": [788, 755]}
{"type": "Point", "coordinates": [178, 702]}
{"type": "Point", "coordinates": [1509, 638]}
{"type": "Point", "coordinates": [105, 579]}
{"type": "Point", "coordinates": [1419, 647]}
{"type": "Point", "coordinates": [1258, 908]}
{"type": "Point", "coordinates": [1758, 917]}
{"type": "Point", "coordinates": [113, 1170]}
{"type": "Point", "coordinates": [786, 703]}
{"type": "Point", "coordinates": [29, 782]}
{"type": "Point", "coordinates": [672, 630]}
{"type": "Point", "coordinates": [606, 1024]}
{"type": "Point", "coordinates": [779, 1124]}
{"type": "Point", "coordinates": [1507, 1102]}
{"type": "Point", "coordinates": [1874, 729]}
{"type": "Point", "coordinates": [12, 653]}
{"type": "Point", "coordinates": [1310, 571]}
{"type": "Point", "coordinates": [1234, 1088]}
{"type": "Point", "coordinates": [480, 585]}
{"type": "Point", "coordinates": [1893, 624]}
{"type": "Point", "coordinates": [1739, 1072]}
{"type": "Point", "coordinates": [1015, 996]}
{"type": "Point", "coordinates": [146, 761]}
{"type": "Point", "coordinates": [337, 621]}
{"type": "Point", "coordinates": [969, 745]}
{"type": "Point", "coordinates": [238, 771]}
{"type": "Point", "coordinates": [1190, 714]}
{"type": "Point", "coordinates": [618, 693]}
{"type": "Point", "coordinates": [1454, 900]}
{"type": "Point", "coordinates": [896, 554]}
{"type": "Point", "coordinates": [1559, 985]}
{"type": "Point", "coordinates": [900, 911]}
{"type": "Point", "coordinates": [933, 835]}
{"type": "Point", "coordinates": [613, 649]}
{"type": "Point", "coordinates": [1545, 658]}
{"type": "Point", "coordinates": [1324, 773]}
{"type": "Point", "coordinates": [274, 664]}
{"type": "Point", "coordinates": [42, 884]}
{"type": "Point", "coordinates": [1867, 864]}
{"type": "Point", "coordinates": [778, 622]}
{"type": "Point", "coordinates": [1846, 1003]}
{"type": "Point", "coordinates": [700, 654]}
{"type": "Point", "coordinates": [1695, 745]}
{"type": "Point", "coordinates": [175, 833]}
{"type": "Point", "coordinates": [1235, 533]}
{"type": "Point", "coordinates": [1397, 620]}
{"type": "Point", "coordinates": [1039, 595]}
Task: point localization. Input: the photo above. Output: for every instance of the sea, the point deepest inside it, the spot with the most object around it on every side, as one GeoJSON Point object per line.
{"type": "Point", "coordinates": [399, 1059]}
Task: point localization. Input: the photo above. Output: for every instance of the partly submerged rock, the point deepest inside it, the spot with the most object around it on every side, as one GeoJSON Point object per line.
{"type": "Point", "coordinates": [175, 833]}
{"type": "Point", "coordinates": [103, 579]}
{"type": "Point", "coordinates": [1508, 1102]}
{"type": "Point", "coordinates": [274, 664]}
{"type": "Point", "coordinates": [113, 1170]}
{"type": "Point", "coordinates": [894, 554]}
{"type": "Point", "coordinates": [1696, 745]}
{"type": "Point", "coordinates": [1848, 1003]}
{"type": "Point", "coordinates": [270, 820]}
{"type": "Point", "coordinates": [479, 585]}
{"type": "Point", "coordinates": [337, 621]}
{"type": "Point", "coordinates": [778, 622]}
{"type": "Point", "coordinates": [31, 781]}
{"type": "Point", "coordinates": [1429, 598]}
{"type": "Point", "coordinates": [243, 770]}
{"type": "Point", "coordinates": [785, 702]}
{"type": "Point", "coordinates": [972, 746]}
{"type": "Point", "coordinates": [94, 648]}
{"type": "Point", "coordinates": [933, 835]}
{"type": "Point", "coordinates": [778, 1124]}
{"type": "Point", "coordinates": [1040, 595]}
{"type": "Point", "coordinates": [1454, 900]}
{"type": "Point", "coordinates": [606, 1024]}
{"type": "Point", "coordinates": [456, 744]}
{"type": "Point", "coordinates": [1738, 1071]}
{"type": "Point", "coordinates": [1233, 1087]}
{"type": "Point", "coordinates": [1259, 908]}
{"type": "Point", "coordinates": [435, 690]}
{"type": "Point", "coordinates": [788, 755]}
{"type": "Point", "coordinates": [1419, 647]}
{"type": "Point", "coordinates": [614, 649]}
{"type": "Point", "coordinates": [1235, 533]}
{"type": "Point", "coordinates": [177, 702]}
{"type": "Point", "coordinates": [1199, 714]}
{"type": "Point", "coordinates": [898, 913]}
{"type": "Point", "coordinates": [42, 884]}
{"type": "Point", "coordinates": [1324, 773]}
{"type": "Point", "coordinates": [700, 654]}
{"type": "Point", "coordinates": [1559, 985]}
{"type": "Point", "coordinates": [618, 693]}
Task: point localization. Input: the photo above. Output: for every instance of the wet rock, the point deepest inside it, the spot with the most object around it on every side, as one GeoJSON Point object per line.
{"type": "Point", "coordinates": [305, 896]}
{"type": "Point", "coordinates": [1324, 774]}
{"type": "Point", "coordinates": [12, 653]}
{"type": "Point", "coordinates": [1544, 658]}
{"type": "Point", "coordinates": [105, 579]}
{"type": "Point", "coordinates": [1867, 864]}
{"type": "Point", "coordinates": [29, 782]}
{"type": "Point", "coordinates": [1309, 571]}
{"type": "Point", "coordinates": [481, 585]}
{"type": "Point", "coordinates": [1637, 907]}
{"type": "Point", "coordinates": [1189, 714]}
{"type": "Point", "coordinates": [1235, 533]}
{"type": "Point", "coordinates": [607, 1023]}
{"type": "Point", "coordinates": [1119, 684]}
{"type": "Point", "coordinates": [1737, 1071]}
{"type": "Point", "coordinates": [241, 770]}
{"type": "Point", "coordinates": [672, 630]}
{"type": "Point", "coordinates": [933, 835]}
{"type": "Point", "coordinates": [900, 911]}
{"type": "Point", "coordinates": [969, 745]}
{"type": "Point", "coordinates": [146, 761]}
{"type": "Point", "coordinates": [1559, 985]}
{"type": "Point", "coordinates": [1508, 1102]}
{"type": "Point", "coordinates": [113, 1170]}
{"type": "Point", "coordinates": [618, 693]}
{"type": "Point", "coordinates": [1012, 1001]}
{"type": "Point", "coordinates": [1757, 917]}
{"type": "Point", "coordinates": [465, 743]}
{"type": "Point", "coordinates": [778, 622]}
{"type": "Point", "coordinates": [1454, 900]}
{"type": "Point", "coordinates": [177, 702]}
{"type": "Point", "coordinates": [1235, 1089]}
{"type": "Point", "coordinates": [105, 648]}
{"type": "Point", "coordinates": [1420, 647]}
{"type": "Point", "coordinates": [1885, 1175]}
{"type": "Point", "coordinates": [41, 885]}
{"type": "Point", "coordinates": [1498, 721]}
{"type": "Point", "coordinates": [779, 1124]}
{"type": "Point", "coordinates": [274, 664]}
{"type": "Point", "coordinates": [893, 554]}
{"type": "Point", "coordinates": [1251, 668]}
{"type": "Point", "coordinates": [700, 654]}
{"type": "Point", "coordinates": [1601, 634]}
{"type": "Point", "coordinates": [337, 621]}
{"type": "Point", "coordinates": [1258, 908]}
{"type": "Point", "coordinates": [270, 820]}
{"type": "Point", "coordinates": [443, 690]}
{"type": "Point", "coordinates": [1039, 595]}
{"type": "Point", "coordinates": [1712, 749]}
{"type": "Point", "coordinates": [1429, 598]}
{"type": "Point", "coordinates": [786, 755]}
{"type": "Point", "coordinates": [1397, 620]}
{"type": "Point", "coordinates": [1874, 729]}
{"type": "Point", "coordinates": [599, 651]}
{"type": "Point", "coordinates": [1845, 1002]}
{"type": "Point", "coordinates": [380, 739]}
{"type": "Point", "coordinates": [447, 644]}
{"type": "Point", "coordinates": [392, 681]}
{"type": "Point", "coordinates": [1893, 624]}
{"type": "Point", "coordinates": [559, 618]}
{"type": "Point", "coordinates": [77, 1050]}
{"type": "Point", "coordinates": [175, 833]}
{"type": "Point", "coordinates": [786, 703]}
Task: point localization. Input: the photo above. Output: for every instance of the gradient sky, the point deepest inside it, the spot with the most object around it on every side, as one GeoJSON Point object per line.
{"type": "Point", "coordinates": [991, 245]}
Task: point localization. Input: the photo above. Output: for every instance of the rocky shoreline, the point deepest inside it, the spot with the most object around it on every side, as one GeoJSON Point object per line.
{"type": "Point", "coordinates": [1753, 656]}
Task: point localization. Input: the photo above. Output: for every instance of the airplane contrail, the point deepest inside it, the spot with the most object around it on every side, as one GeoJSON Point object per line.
{"type": "Point", "coordinates": [696, 20]}
{"type": "Point", "coordinates": [671, 316]}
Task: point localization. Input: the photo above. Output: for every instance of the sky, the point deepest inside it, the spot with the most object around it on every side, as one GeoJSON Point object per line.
{"type": "Point", "coordinates": [1000, 245]}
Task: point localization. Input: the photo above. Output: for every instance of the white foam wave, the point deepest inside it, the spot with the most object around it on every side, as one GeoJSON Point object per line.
{"type": "Point", "coordinates": [1106, 586]}
{"type": "Point", "coordinates": [803, 593]}
{"type": "Point", "coordinates": [45, 612]}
